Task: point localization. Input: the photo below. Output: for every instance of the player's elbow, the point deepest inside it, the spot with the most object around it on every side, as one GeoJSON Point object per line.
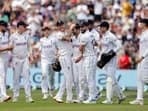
{"type": "Point", "coordinates": [81, 48]}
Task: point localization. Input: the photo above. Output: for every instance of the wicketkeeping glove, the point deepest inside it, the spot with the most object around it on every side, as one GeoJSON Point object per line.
{"type": "Point", "coordinates": [56, 66]}
{"type": "Point", "coordinates": [105, 58]}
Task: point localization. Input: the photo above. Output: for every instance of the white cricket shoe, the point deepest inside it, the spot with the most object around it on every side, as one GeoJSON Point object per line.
{"type": "Point", "coordinates": [89, 101]}
{"type": "Point", "coordinates": [136, 102]}
{"type": "Point", "coordinates": [29, 100]}
{"type": "Point", "coordinates": [59, 100]}
{"type": "Point", "coordinates": [69, 101]}
{"type": "Point", "coordinates": [107, 102]}
{"type": "Point", "coordinates": [77, 101]}
{"type": "Point", "coordinates": [15, 99]}
{"type": "Point", "coordinates": [45, 96]}
{"type": "Point", "coordinates": [5, 99]}
{"type": "Point", "coordinates": [51, 94]}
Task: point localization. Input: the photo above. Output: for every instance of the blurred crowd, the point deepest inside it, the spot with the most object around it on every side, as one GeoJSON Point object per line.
{"type": "Point", "coordinates": [123, 16]}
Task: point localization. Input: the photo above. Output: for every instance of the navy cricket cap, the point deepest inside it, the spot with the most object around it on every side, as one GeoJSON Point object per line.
{"type": "Point", "coordinates": [3, 23]}
{"type": "Point", "coordinates": [59, 23]}
{"type": "Point", "coordinates": [144, 20]}
{"type": "Point", "coordinates": [104, 24]}
{"type": "Point", "coordinates": [21, 23]}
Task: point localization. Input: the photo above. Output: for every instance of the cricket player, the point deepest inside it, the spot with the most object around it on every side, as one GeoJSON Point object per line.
{"type": "Point", "coordinates": [48, 56]}
{"type": "Point", "coordinates": [77, 67]}
{"type": "Point", "coordinates": [64, 46]}
{"type": "Point", "coordinates": [108, 42]}
{"type": "Point", "coordinates": [94, 34]}
{"type": "Point", "coordinates": [142, 69]}
{"type": "Point", "coordinates": [88, 59]}
{"type": "Point", "coordinates": [20, 44]}
{"type": "Point", "coordinates": [4, 60]}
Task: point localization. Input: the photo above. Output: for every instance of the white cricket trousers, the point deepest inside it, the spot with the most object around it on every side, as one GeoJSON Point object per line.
{"type": "Point", "coordinates": [113, 85]}
{"type": "Point", "coordinates": [66, 64]}
{"type": "Point", "coordinates": [3, 71]}
{"type": "Point", "coordinates": [77, 68]}
{"type": "Point", "coordinates": [142, 77]}
{"type": "Point", "coordinates": [21, 68]}
{"type": "Point", "coordinates": [47, 83]}
{"type": "Point", "coordinates": [61, 90]}
{"type": "Point", "coordinates": [87, 77]}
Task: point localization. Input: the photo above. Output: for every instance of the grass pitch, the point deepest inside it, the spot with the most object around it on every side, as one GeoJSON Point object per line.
{"type": "Point", "coordinates": [51, 105]}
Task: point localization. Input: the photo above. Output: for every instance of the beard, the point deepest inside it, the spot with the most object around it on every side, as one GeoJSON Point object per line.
{"type": "Point", "coordinates": [83, 31]}
{"type": "Point", "coordinates": [90, 29]}
{"type": "Point", "coordinates": [3, 31]}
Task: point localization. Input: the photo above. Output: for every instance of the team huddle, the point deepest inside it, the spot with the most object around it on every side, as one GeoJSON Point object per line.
{"type": "Point", "coordinates": [78, 50]}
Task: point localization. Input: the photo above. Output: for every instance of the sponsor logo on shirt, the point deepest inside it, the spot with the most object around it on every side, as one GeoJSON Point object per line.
{"type": "Point", "coordinates": [76, 45]}
{"type": "Point", "coordinates": [48, 46]}
{"type": "Point", "coordinates": [23, 43]}
{"type": "Point", "coordinates": [4, 43]}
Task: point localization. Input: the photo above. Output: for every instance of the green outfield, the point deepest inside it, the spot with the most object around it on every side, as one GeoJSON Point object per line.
{"type": "Point", "coordinates": [51, 105]}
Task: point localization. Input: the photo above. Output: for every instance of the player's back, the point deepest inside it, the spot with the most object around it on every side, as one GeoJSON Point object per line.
{"type": "Point", "coordinates": [64, 47]}
{"type": "Point", "coordinates": [96, 37]}
{"type": "Point", "coordinates": [95, 34]}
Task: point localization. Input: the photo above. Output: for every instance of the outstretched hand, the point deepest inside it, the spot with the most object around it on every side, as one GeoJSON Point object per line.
{"type": "Point", "coordinates": [139, 59]}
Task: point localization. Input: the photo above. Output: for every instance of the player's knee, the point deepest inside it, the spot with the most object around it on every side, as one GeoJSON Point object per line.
{"type": "Point", "coordinates": [44, 77]}
{"type": "Point", "coordinates": [109, 80]}
{"type": "Point", "coordinates": [82, 83]}
{"type": "Point", "coordinates": [145, 80]}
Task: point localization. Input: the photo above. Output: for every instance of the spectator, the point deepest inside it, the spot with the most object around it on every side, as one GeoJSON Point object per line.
{"type": "Point", "coordinates": [82, 11]}
{"type": "Point", "coordinates": [124, 61]}
{"type": "Point", "coordinates": [34, 20]}
{"type": "Point", "coordinates": [144, 13]}
{"type": "Point", "coordinates": [6, 10]}
{"type": "Point", "coordinates": [98, 9]}
{"type": "Point", "coordinates": [126, 8]}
